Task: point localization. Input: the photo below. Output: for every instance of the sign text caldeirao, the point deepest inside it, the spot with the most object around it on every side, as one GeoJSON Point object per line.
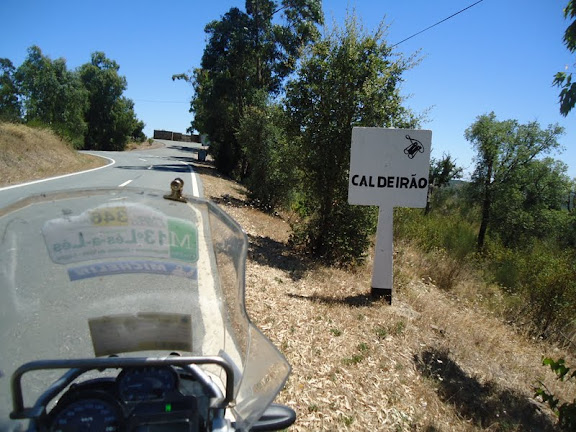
{"type": "Point", "coordinates": [388, 168]}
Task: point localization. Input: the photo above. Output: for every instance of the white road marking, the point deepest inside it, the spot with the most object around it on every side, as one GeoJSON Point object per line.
{"type": "Point", "coordinates": [112, 162]}
{"type": "Point", "coordinates": [195, 190]}
{"type": "Point", "coordinates": [125, 183]}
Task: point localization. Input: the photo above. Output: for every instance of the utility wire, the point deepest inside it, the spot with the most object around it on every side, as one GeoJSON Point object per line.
{"type": "Point", "coordinates": [439, 22]}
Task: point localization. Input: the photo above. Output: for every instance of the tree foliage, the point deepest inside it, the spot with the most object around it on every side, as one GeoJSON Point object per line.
{"type": "Point", "coordinates": [565, 410]}
{"type": "Point", "coordinates": [10, 106]}
{"type": "Point", "coordinates": [52, 95]}
{"type": "Point", "coordinates": [530, 205]}
{"type": "Point", "coordinates": [248, 52]}
{"type": "Point", "coordinates": [505, 152]}
{"type": "Point", "coordinates": [564, 79]}
{"type": "Point", "coordinates": [85, 106]}
{"type": "Point", "coordinates": [348, 78]}
{"type": "Point", "coordinates": [220, 87]}
{"type": "Point", "coordinates": [442, 172]}
{"type": "Point", "coordinates": [110, 116]}
{"type": "Point", "coordinates": [269, 155]}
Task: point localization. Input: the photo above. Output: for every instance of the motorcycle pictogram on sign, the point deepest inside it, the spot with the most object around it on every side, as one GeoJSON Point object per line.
{"type": "Point", "coordinates": [414, 147]}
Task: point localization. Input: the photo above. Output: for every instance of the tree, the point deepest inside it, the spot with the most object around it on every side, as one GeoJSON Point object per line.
{"type": "Point", "coordinates": [247, 53]}
{"type": "Point", "coordinates": [564, 79]}
{"type": "Point", "coordinates": [220, 92]}
{"type": "Point", "coordinates": [110, 116]}
{"type": "Point", "coordinates": [504, 149]}
{"type": "Point", "coordinates": [137, 133]}
{"type": "Point", "coordinates": [276, 47]}
{"type": "Point", "coordinates": [531, 204]}
{"type": "Point", "coordinates": [269, 155]}
{"type": "Point", "coordinates": [442, 172]}
{"type": "Point", "coordinates": [348, 78]}
{"type": "Point", "coordinates": [52, 95]}
{"type": "Point", "coordinates": [10, 106]}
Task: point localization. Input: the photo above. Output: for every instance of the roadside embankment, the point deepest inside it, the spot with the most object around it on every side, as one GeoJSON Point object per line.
{"type": "Point", "coordinates": [28, 154]}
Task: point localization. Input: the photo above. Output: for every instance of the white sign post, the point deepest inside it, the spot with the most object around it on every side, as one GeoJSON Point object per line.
{"type": "Point", "coordinates": [388, 168]}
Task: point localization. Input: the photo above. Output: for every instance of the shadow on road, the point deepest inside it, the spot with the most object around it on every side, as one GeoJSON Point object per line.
{"type": "Point", "coordinates": [160, 167]}
{"type": "Point", "coordinates": [187, 149]}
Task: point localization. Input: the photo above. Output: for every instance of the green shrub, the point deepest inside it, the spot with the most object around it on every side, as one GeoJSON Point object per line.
{"type": "Point", "coordinates": [503, 265]}
{"type": "Point", "coordinates": [74, 138]}
{"type": "Point", "coordinates": [566, 411]}
{"type": "Point", "coordinates": [549, 285]}
{"type": "Point", "coordinates": [269, 170]}
{"type": "Point", "coordinates": [340, 237]}
{"type": "Point", "coordinates": [431, 232]}
{"type": "Point", "coordinates": [543, 279]}
{"type": "Point", "coordinates": [448, 240]}
{"type": "Point", "coordinates": [539, 279]}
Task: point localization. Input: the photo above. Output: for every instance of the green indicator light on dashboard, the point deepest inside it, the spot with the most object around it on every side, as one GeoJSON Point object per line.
{"type": "Point", "coordinates": [168, 408]}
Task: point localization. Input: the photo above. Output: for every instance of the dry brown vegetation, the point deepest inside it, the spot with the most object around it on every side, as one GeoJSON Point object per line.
{"type": "Point", "coordinates": [433, 361]}
{"type": "Point", "coordinates": [146, 145]}
{"type": "Point", "coordinates": [28, 154]}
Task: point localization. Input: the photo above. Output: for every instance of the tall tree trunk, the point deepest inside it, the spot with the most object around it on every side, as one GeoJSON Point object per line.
{"type": "Point", "coordinates": [486, 206]}
{"type": "Point", "coordinates": [484, 224]}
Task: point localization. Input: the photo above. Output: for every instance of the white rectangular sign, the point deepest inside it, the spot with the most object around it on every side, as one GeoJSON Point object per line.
{"type": "Point", "coordinates": [389, 167]}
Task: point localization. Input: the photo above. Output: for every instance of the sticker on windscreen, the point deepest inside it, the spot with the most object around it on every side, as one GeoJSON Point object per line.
{"type": "Point", "coordinates": [112, 231]}
{"type": "Point", "coordinates": [114, 334]}
{"type": "Point", "coordinates": [125, 267]}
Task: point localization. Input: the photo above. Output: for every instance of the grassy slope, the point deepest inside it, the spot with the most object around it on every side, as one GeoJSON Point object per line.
{"type": "Point", "coordinates": [29, 153]}
{"type": "Point", "coordinates": [430, 362]}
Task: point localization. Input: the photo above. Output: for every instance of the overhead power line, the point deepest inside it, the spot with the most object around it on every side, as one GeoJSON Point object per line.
{"type": "Point", "coordinates": [438, 23]}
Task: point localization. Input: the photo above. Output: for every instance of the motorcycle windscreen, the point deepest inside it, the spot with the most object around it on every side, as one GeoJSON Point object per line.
{"type": "Point", "coordinates": [263, 369]}
{"type": "Point", "coordinates": [93, 273]}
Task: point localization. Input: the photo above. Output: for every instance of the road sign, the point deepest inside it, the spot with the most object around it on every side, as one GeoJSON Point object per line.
{"type": "Point", "coordinates": [388, 168]}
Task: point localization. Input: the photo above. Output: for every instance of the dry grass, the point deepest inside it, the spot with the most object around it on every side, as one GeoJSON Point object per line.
{"type": "Point", "coordinates": [432, 361]}
{"type": "Point", "coordinates": [145, 145]}
{"type": "Point", "coordinates": [29, 154]}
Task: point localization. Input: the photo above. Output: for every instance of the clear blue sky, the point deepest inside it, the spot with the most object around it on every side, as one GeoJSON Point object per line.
{"type": "Point", "coordinates": [500, 55]}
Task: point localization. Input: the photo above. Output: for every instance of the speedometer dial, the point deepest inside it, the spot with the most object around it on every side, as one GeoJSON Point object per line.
{"type": "Point", "coordinates": [88, 415]}
{"type": "Point", "coordinates": [146, 383]}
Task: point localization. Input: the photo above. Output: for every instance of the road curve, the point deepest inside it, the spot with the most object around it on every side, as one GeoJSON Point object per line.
{"type": "Point", "coordinates": [154, 169]}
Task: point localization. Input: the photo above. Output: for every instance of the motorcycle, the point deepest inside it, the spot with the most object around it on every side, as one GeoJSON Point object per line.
{"type": "Point", "coordinates": [123, 309]}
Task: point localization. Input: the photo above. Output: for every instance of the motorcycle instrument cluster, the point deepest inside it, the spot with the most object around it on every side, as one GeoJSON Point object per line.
{"type": "Point", "coordinates": [148, 383]}
{"type": "Point", "coordinates": [140, 399]}
{"type": "Point", "coordinates": [92, 413]}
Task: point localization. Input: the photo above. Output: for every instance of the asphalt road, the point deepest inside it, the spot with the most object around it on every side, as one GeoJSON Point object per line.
{"type": "Point", "coordinates": [142, 169]}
